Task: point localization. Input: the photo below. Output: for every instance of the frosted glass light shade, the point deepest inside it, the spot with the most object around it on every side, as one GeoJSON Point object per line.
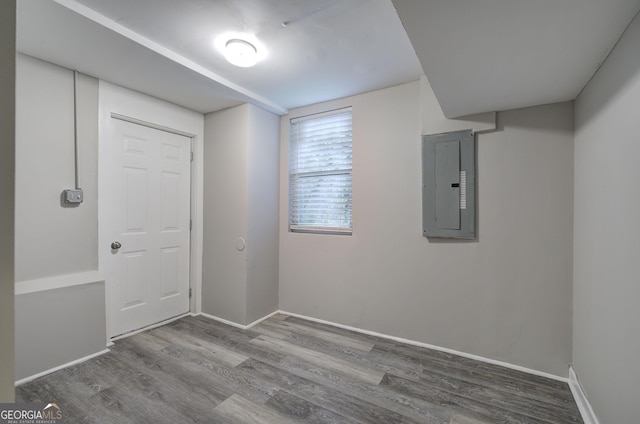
{"type": "Point", "coordinates": [241, 53]}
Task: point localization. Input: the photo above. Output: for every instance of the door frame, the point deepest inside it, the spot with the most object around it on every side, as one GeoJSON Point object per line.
{"type": "Point", "coordinates": [122, 104]}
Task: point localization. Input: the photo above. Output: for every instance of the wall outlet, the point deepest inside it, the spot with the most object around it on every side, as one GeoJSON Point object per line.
{"type": "Point", "coordinates": [73, 196]}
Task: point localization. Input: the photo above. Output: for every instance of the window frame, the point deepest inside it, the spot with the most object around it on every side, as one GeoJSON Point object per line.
{"type": "Point", "coordinates": [294, 227]}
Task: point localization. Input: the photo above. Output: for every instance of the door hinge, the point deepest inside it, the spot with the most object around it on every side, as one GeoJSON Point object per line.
{"type": "Point", "coordinates": [190, 292]}
{"type": "Point", "coordinates": [191, 156]}
{"type": "Point", "coordinates": [190, 224]}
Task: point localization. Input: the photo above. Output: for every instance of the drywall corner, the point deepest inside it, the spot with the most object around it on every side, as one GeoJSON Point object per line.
{"type": "Point", "coordinates": [262, 215]}
{"type": "Point", "coordinates": [224, 271]}
{"type": "Point", "coordinates": [7, 178]}
{"type": "Point", "coordinates": [434, 121]}
{"type": "Point", "coordinates": [606, 244]}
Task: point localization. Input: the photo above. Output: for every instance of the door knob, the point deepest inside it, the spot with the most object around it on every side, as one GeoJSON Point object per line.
{"type": "Point", "coordinates": [116, 245]}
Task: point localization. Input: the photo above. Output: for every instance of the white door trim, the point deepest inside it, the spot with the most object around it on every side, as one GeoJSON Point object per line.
{"type": "Point", "coordinates": [151, 125]}
{"type": "Point", "coordinates": [138, 108]}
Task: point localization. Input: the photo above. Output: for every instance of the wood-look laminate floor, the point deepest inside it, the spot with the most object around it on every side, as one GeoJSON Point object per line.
{"type": "Point", "coordinates": [289, 370]}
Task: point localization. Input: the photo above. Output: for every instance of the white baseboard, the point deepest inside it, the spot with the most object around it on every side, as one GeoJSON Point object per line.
{"type": "Point", "coordinates": [588, 415]}
{"type": "Point", "coordinates": [235, 324]}
{"type": "Point", "coordinates": [60, 367]}
{"type": "Point", "coordinates": [433, 347]}
{"type": "Point", "coordinates": [397, 339]}
{"type": "Point", "coordinates": [572, 381]}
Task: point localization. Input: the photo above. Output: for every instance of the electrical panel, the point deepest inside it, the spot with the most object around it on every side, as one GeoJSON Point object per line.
{"type": "Point", "coordinates": [448, 185]}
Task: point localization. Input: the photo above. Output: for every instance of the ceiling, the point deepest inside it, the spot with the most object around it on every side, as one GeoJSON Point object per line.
{"type": "Point", "coordinates": [317, 50]}
{"type": "Point", "coordinates": [478, 55]}
{"type": "Point", "coordinates": [493, 55]}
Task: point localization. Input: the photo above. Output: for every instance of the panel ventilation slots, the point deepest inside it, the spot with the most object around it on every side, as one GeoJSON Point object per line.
{"type": "Point", "coordinates": [463, 190]}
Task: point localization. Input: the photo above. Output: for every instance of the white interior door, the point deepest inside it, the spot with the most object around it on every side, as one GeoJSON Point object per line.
{"type": "Point", "coordinates": [149, 221]}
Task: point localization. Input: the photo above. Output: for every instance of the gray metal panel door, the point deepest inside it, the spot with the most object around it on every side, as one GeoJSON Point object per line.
{"type": "Point", "coordinates": [448, 185]}
{"type": "Point", "coordinates": [448, 199]}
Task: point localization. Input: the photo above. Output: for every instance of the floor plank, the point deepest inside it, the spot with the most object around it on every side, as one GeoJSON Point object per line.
{"type": "Point", "coordinates": [320, 359]}
{"type": "Point", "coordinates": [290, 370]}
{"type": "Point", "coordinates": [214, 350]}
{"type": "Point", "coordinates": [291, 328]}
{"type": "Point", "coordinates": [238, 410]}
{"type": "Point", "coordinates": [342, 403]}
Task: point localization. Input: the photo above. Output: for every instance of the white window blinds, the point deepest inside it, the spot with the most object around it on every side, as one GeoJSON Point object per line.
{"type": "Point", "coordinates": [320, 157]}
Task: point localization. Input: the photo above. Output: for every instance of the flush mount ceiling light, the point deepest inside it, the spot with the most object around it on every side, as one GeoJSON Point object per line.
{"type": "Point", "coordinates": [240, 48]}
{"type": "Point", "coordinates": [240, 53]}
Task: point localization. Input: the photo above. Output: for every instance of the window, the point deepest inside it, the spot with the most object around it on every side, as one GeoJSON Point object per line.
{"type": "Point", "coordinates": [320, 156]}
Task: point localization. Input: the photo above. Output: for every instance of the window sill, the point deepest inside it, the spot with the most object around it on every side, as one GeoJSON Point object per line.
{"type": "Point", "coordinates": [321, 230]}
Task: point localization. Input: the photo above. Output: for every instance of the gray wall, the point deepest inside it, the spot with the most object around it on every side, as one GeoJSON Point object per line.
{"type": "Point", "coordinates": [606, 341]}
{"type": "Point", "coordinates": [240, 201]}
{"type": "Point", "coordinates": [224, 272]}
{"type": "Point", "coordinates": [7, 145]}
{"type": "Point", "coordinates": [262, 214]}
{"type": "Point", "coordinates": [55, 244]}
{"type": "Point", "coordinates": [51, 239]}
{"type": "Point", "coordinates": [506, 296]}
{"type": "Point", "coordinates": [54, 327]}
